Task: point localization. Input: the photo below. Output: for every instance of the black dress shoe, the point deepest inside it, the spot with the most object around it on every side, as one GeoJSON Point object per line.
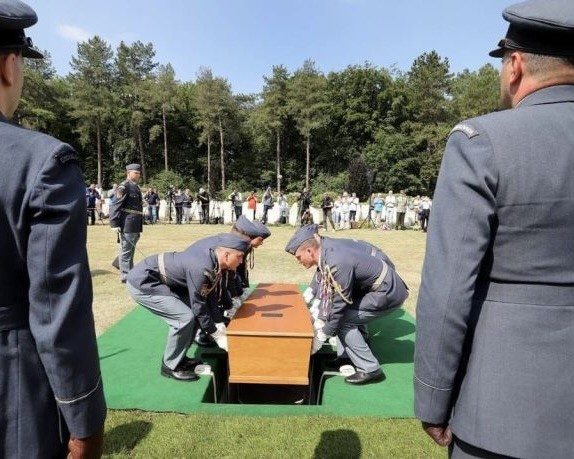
{"type": "Point", "coordinates": [361, 377]}
{"type": "Point", "coordinates": [180, 373]}
{"type": "Point", "coordinates": [189, 363]}
{"type": "Point", "coordinates": [337, 363]}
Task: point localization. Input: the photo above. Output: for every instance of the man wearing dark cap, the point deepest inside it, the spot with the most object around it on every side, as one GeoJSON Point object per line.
{"type": "Point", "coordinates": [495, 312]}
{"type": "Point", "coordinates": [238, 282]}
{"type": "Point", "coordinates": [355, 285]}
{"type": "Point", "coordinates": [51, 393]}
{"type": "Point", "coordinates": [126, 218]}
{"type": "Point", "coordinates": [176, 286]}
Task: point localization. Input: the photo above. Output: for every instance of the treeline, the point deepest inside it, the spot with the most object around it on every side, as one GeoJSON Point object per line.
{"type": "Point", "coordinates": [329, 132]}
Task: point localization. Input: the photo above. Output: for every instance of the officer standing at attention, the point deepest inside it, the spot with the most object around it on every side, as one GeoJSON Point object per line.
{"type": "Point", "coordinates": [176, 286]}
{"type": "Point", "coordinates": [126, 217]}
{"type": "Point", "coordinates": [51, 395]}
{"type": "Point", "coordinates": [495, 313]}
{"type": "Point", "coordinates": [354, 286]}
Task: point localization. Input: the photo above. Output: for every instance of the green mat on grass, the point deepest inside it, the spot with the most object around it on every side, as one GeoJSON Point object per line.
{"type": "Point", "coordinates": [131, 352]}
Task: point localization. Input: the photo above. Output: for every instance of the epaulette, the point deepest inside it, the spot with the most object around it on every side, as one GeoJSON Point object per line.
{"type": "Point", "coordinates": [466, 129]}
{"type": "Point", "coordinates": [65, 156]}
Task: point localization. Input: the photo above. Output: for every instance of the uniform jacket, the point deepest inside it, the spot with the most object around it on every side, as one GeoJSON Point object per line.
{"type": "Point", "coordinates": [355, 266]}
{"type": "Point", "coordinates": [49, 366]}
{"type": "Point", "coordinates": [495, 313]}
{"type": "Point", "coordinates": [190, 274]}
{"type": "Point", "coordinates": [127, 210]}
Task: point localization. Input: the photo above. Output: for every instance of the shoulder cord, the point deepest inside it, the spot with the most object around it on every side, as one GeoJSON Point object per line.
{"type": "Point", "coordinates": [329, 286]}
{"type": "Point", "coordinates": [250, 258]}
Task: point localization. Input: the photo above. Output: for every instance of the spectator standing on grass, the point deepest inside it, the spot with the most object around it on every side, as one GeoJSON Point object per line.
{"type": "Point", "coordinates": [252, 203]}
{"type": "Point", "coordinates": [92, 197]}
{"type": "Point", "coordinates": [390, 203]}
{"type": "Point", "coordinates": [378, 206]}
{"type": "Point", "coordinates": [345, 224]}
{"type": "Point", "coordinates": [237, 203]}
{"type": "Point", "coordinates": [267, 204]}
{"type": "Point", "coordinates": [495, 312]}
{"type": "Point", "coordinates": [152, 199]}
{"type": "Point", "coordinates": [353, 206]}
{"type": "Point", "coordinates": [203, 199]}
{"type": "Point", "coordinates": [424, 210]}
{"type": "Point", "coordinates": [51, 393]}
{"type": "Point", "coordinates": [401, 210]}
{"type": "Point", "coordinates": [327, 207]}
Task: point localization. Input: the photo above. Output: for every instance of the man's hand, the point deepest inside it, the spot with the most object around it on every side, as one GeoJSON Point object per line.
{"type": "Point", "coordinates": [117, 230]}
{"type": "Point", "coordinates": [86, 448]}
{"type": "Point", "coordinates": [318, 340]}
{"type": "Point", "coordinates": [308, 295]}
{"type": "Point", "coordinates": [220, 336]}
{"type": "Point", "coordinates": [440, 433]}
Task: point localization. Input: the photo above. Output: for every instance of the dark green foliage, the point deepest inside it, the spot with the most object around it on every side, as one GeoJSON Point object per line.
{"type": "Point", "coordinates": [303, 129]}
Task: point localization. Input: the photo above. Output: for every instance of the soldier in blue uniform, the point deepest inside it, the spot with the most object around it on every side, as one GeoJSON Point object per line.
{"type": "Point", "coordinates": [355, 283]}
{"type": "Point", "coordinates": [51, 394]}
{"type": "Point", "coordinates": [177, 285]}
{"type": "Point", "coordinates": [126, 217]}
{"type": "Point", "coordinates": [495, 311]}
{"type": "Point", "coordinates": [238, 282]}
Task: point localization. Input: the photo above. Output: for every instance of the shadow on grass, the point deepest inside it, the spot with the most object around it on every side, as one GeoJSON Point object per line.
{"type": "Point", "coordinates": [341, 443]}
{"type": "Point", "coordinates": [392, 338]}
{"type": "Point", "coordinates": [124, 438]}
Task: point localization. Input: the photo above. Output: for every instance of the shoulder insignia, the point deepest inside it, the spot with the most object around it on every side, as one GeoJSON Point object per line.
{"type": "Point", "coordinates": [65, 156]}
{"type": "Point", "coordinates": [466, 129]}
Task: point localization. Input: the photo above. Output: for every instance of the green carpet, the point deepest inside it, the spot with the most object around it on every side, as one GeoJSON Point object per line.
{"type": "Point", "coordinates": [131, 352]}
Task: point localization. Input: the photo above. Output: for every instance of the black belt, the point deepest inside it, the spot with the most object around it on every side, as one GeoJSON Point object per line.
{"type": "Point", "coordinates": [12, 317]}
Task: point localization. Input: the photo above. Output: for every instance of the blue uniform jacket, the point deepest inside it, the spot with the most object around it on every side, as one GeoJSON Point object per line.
{"type": "Point", "coordinates": [49, 366]}
{"type": "Point", "coordinates": [190, 274]}
{"type": "Point", "coordinates": [355, 267]}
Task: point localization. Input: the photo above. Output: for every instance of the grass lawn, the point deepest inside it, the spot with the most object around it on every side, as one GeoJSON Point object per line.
{"type": "Point", "coordinates": [143, 434]}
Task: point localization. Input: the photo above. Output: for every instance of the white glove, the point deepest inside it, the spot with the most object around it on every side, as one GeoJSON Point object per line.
{"type": "Point", "coordinates": [220, 326]}
{"type": "Point", "coordinates": [318, 341]}
{"type": "Point", "coordinates": [116, 230]}
{"type": "Point", "coordinates": [314, 309]}
{"type": "Point", "coordinates": [318, 324]}
{"type": "Point", "coordinates": [230, 313]}
{"type": "Point", "coordinates": [220, 337]}
{"type": "Point", "coordinates": [308, 295]}
{"type": "Point", "coordinates": [236, 302]}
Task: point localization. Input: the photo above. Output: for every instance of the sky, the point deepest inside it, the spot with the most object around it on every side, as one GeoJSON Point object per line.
{"type": "Point", "coordinates": [241, 40]}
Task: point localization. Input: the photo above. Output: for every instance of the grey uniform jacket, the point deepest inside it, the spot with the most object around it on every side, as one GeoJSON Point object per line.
{"type": "Point", "coordinates": [49, 367]}
{"type": "Point", "coordinates": [495, 313]}
{"type": "Point", "coordinates": [188, 275]}
{"type": "Point", "coordinates": [356, 267]}
{"type": "Point", "coordinates": [127, 208]}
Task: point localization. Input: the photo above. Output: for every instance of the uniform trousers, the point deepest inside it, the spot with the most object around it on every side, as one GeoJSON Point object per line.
{"type": "Point", "coordinates": [351, 341]}
{"type": "Point", "coordinates": [178, 317]}
{"type": "Point", "coordinates": [127, 250]}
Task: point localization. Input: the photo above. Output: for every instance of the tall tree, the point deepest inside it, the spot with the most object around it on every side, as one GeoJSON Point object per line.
{"type": "Point", "coordinates": [275, 110]}
{"type": "Point", "coordinates": [92, 91]}
{"type": "Point", "coordinates": [475, 93]}
{"type": "Point", "coordinates": [308, 102]}
{"type": "Point", "coordinates": [162, 93]}
{"type": "Point", "coordinates": [134, 66]}
{"type": "Point", "coordinates": [215, 105]}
